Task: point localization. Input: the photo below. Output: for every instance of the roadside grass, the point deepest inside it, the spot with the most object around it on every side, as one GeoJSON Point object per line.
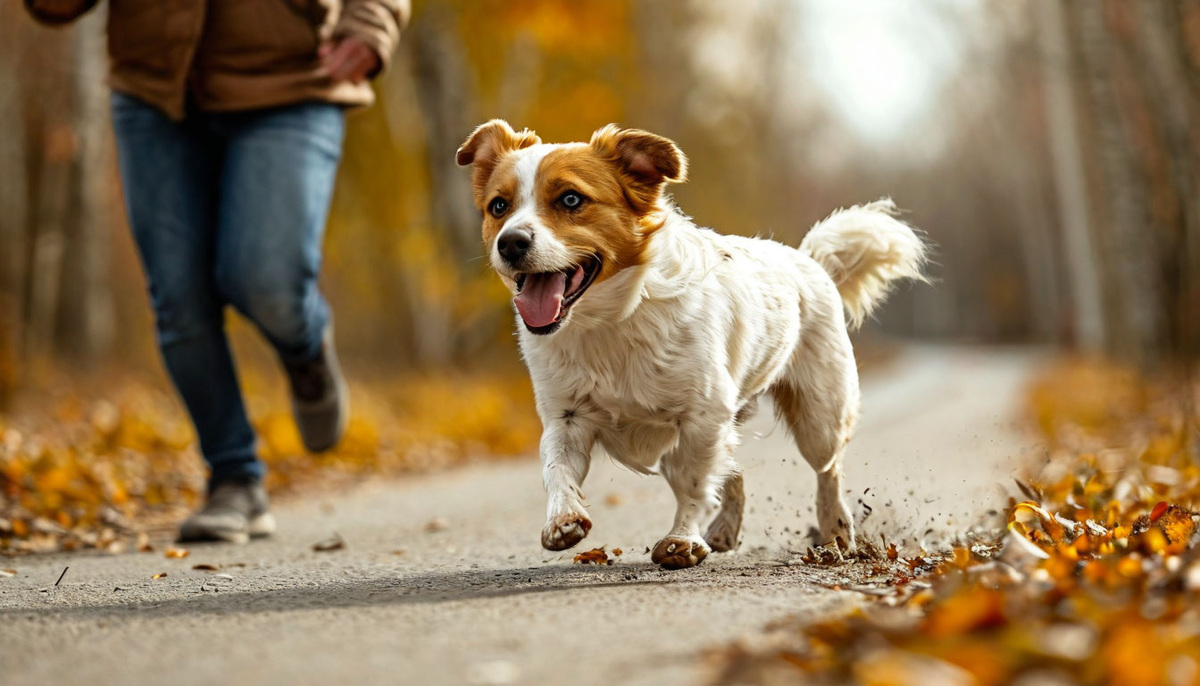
{"type": "Point", "coordinates": [1093, 577]}
{"type": "Point", "coordinates": [87, 470]}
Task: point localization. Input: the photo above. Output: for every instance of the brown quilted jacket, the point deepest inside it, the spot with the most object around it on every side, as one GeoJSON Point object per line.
{"type": "Point", "coordinates": [233, 54]}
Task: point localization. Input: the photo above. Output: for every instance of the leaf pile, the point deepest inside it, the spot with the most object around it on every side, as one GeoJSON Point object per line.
{"type": "Point", "coordinates": [85, 470]}
{"type": "Point", "coordinates": [1094, 579]}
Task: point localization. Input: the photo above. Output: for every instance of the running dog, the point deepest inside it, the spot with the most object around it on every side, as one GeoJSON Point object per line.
{"type": "Point", "coordinates": [651, 339]}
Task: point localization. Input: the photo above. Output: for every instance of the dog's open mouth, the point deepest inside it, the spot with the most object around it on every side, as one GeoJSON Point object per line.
{"type": "Point", "coordinates": [544, 298]}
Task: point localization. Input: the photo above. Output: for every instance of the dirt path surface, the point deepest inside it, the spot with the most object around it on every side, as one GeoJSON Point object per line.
{"type": "Point", "coordinates": [474, 599]}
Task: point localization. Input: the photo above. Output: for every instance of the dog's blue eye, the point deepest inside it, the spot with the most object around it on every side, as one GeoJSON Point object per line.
{"type": "Point", "coordinates": [498, 206]}
{"type": "Point", "coordinates": [571, 200]}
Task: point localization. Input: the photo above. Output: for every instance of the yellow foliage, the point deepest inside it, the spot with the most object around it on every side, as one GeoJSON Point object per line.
{"type": "Point", "coordinates": [1089, 396]}
{"type": "Point", "coordinates": [1098, 579]}
{"type": "Point", "coordinates": [78, 467]}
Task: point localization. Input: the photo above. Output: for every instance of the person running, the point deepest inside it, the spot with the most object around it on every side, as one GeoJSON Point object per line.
{"type": "Point", "coordinates": [229, 121]}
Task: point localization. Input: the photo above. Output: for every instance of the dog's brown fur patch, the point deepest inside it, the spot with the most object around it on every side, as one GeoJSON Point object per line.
{"type": "Point", "coordinates": [621, 174]}
{"type": "Point", "coordinates": [484, 148]}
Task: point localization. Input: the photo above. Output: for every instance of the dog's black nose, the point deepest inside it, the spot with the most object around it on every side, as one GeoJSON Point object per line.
{"type": "Point", "coordinates": [513, 243]}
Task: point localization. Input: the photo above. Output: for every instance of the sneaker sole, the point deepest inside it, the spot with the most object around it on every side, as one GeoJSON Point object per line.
{"type": "Point", "coordinates": [260, 527]}
{"type": "Point", "coordinates": [211, 536]}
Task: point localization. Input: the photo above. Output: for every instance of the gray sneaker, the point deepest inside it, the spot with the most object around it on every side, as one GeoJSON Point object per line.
{"type": "Point", "coordinates": [236, 511]}
{"type": "Point", "coordinates": [320, 402]}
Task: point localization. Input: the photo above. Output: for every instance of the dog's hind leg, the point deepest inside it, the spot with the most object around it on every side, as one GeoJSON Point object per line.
{"type": "Point", "coordinates": [819, 404]}
{"type": "Point", "coordinates": [722, 534]}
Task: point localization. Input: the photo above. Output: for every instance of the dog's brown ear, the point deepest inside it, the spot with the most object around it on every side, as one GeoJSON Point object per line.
{"type": "Point", "coordinates": [484, 147]}
{"type": "Point", "coordinates": [647, 161]}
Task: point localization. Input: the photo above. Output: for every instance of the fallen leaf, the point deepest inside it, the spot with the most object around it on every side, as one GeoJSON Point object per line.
{"type": "Point", "coordinates": [177, 553]}
{"type": "Point", "coordinates": [596, 556]}
{"type": "Point", "coordinates": [613, 499]}
{"type": "Point", "coordinates": [892, 553]}
{"type": "Point", "coordinates": [1177, 524]}
{"type": "Point", "coordinates": [1159, 510]}
{"type": "Point", "coordinates": [205, 567]}
{"type": "Point", "coordinates": [617, 552]}
{"type": "Point", "coordinates": [8, 572]}
{"type": "Point", "coordinates": [399, 552]}
{"type": "Point", "coordinates": [437, 524]}
{"type": "Point", "coordinates": [143, 543]}
{"type": "Point", "coordinates": [159, 575]}
{"type": "Point", "coordinates": [335, 543]}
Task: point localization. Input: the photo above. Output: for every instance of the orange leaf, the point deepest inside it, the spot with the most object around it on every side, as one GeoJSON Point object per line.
{"type": "Point", "coordinates": [1159, 510]}
{"type": "Point", "coordinates": [1177, 525]}
{"type": "Point", "coordinates": [177, 553]}
{"type": "Point", "coordinates": [596, 556]}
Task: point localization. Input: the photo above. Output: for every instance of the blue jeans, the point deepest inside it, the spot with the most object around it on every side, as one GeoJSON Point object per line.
{"type": "Point", "coordinates": [229, 209]}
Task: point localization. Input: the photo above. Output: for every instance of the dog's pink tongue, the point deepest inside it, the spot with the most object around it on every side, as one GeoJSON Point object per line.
{"type": "Point", "coordinates": [540, 298]}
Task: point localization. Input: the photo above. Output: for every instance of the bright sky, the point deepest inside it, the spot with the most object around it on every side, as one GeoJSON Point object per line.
{"type": "Point", "coordinates": [881, 63]}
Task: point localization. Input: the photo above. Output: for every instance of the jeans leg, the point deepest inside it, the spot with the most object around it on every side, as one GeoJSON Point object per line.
{"type": "Point", "coordinates": [168, 174]}
{"type": "Point", "coordinates": [276, 187]}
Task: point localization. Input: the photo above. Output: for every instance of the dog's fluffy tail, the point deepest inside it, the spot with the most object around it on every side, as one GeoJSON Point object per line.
{"type": "Point", "coordinates": [865, 249]}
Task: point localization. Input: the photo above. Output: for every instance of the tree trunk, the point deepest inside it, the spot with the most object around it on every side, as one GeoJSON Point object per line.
{"type": "Point", "coordinates": [1132, 252]}
{"type": "Point", "coordinates": [443, 81]}
{"type": "Point", "coordinates": [46, 255]}
{"type": "Point", "coordinates": [444, 93]}
{"type": "Point", "coordinates": [1069, 179]}
{"type": "Point", "coordinates": [85, 326]}
{"type": "Point", "coordinates": [13, 220]}
{"type": "Point", "coordinates": [1176, 113]}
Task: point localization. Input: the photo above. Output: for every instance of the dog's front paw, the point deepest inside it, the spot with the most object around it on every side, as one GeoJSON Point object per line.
{"type": "Point", "coordinates": [565, 530]}
{"type": "Point", "coordinates": [679, 553]}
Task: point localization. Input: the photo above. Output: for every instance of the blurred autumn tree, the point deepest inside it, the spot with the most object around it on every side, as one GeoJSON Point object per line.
{"type": "Point", "coordinates": [1140, 67]}
{"type": "Point", "coordinates": [56, 201]}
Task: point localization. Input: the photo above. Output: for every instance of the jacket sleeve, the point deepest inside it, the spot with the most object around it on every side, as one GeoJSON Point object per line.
{"type": "Point", "coordinates": [375, 22]}
{"type": "Point", "coordinates": [57, 11]}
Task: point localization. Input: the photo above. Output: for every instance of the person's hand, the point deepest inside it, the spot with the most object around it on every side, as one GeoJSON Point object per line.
{"type": "Point", "coordinates": [348, 59]}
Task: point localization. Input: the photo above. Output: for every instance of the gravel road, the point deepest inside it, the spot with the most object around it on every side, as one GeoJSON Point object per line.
{"type": "Point", "coordinates": [442, 579]}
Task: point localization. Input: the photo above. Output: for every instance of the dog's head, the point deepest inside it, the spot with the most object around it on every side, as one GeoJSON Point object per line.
{"type": "Point", "coordinates": [559, 219]}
